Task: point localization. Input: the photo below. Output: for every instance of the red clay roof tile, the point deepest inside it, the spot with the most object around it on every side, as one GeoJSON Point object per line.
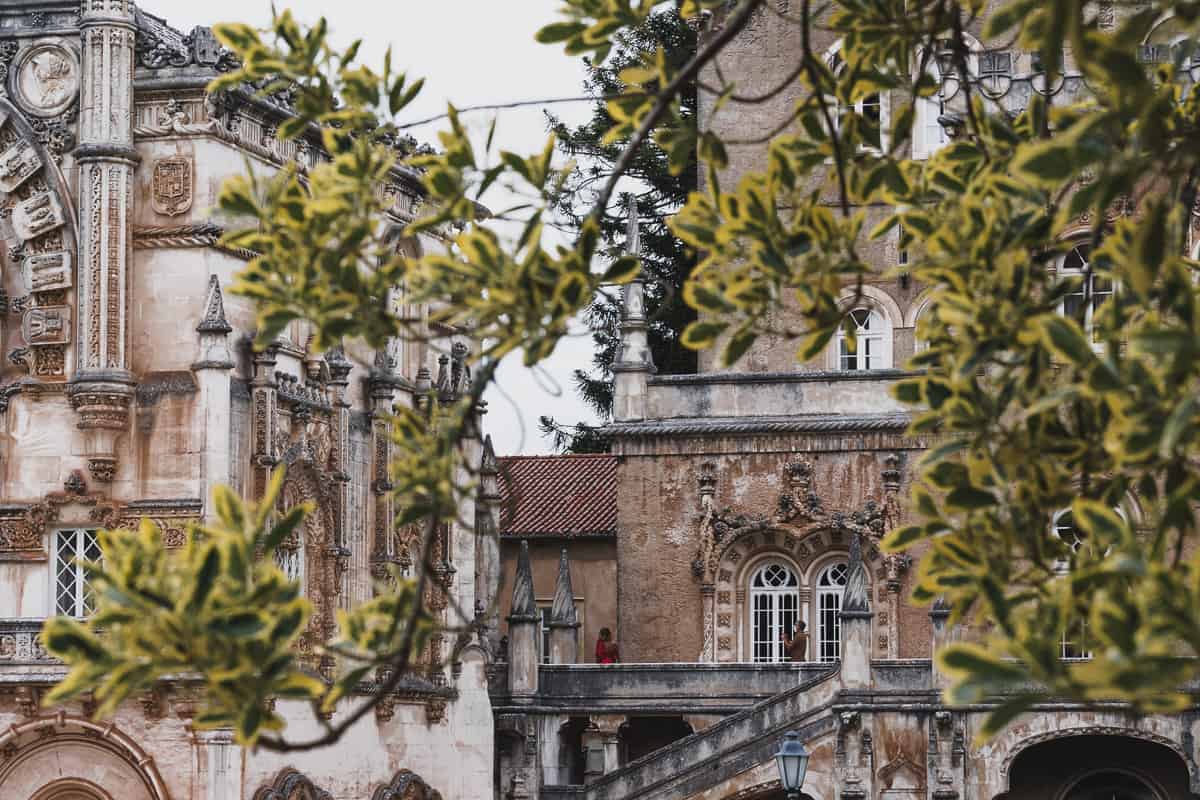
{"type": "Point", "coordinates": [570, 495]}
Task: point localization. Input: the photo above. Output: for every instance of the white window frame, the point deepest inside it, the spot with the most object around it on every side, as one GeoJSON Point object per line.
{"type": "Point", "coordinates": [833, 58]}
{"type": "Point", "coordinates": [877, 352]}
{"type": "Point", "coordinates": [291, 561]}
{"type": "Point", "coordinates": [66, 573]}
{"type": "Point", "coordinates": [1089, 311]}
{"type": "Point", "coordinates": [544, 607]}
{"type": "Point", "coordinates": [827, 599]}
{"type": "Point", "coordinates": [781, 611]}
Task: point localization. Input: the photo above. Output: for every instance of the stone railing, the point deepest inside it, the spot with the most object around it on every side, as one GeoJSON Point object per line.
{"type": "Point", "coordinates": [733, 394]}
{"type": "Point", "coordinates": [683, 688]}
{"type": "Point", "coordinates": [19, 644]}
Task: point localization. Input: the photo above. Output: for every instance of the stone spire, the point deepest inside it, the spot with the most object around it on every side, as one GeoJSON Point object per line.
{"type": "Point", "coordinates": [856, 597]}
{"type": "Point", "coordinates": [523, 604]}
{"type": "Point", "coordinates": [214, 310]}
{"type": "Point", "coordinates": [214, 331]}
{"type": "Point", "coordinates": [564, 623]}
{"type": "Point", "coordinates": [856, 616]}
{"type": "Point", "coordinates": [633, 364]}
{"type": "Point", "coordinates": [523, 635]}
{"type": "Point", "coordinates": [563, 611]}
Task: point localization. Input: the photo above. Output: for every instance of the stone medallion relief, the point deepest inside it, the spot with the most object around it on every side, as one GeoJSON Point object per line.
{"type": "Point", "coordinates": [45, 79]}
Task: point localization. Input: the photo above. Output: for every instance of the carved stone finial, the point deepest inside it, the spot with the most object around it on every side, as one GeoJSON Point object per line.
{"type": "Point", "coordinates": [339, 365]}
{"type": "Point", "coordinates": [487, 464]}
{"type": "Point", "coordinates": [75, 484]}
{"type": "Point", "coordinates": [214, 310]}
{"type": "Point", "coordinates": [891, 472]}
{"type": "Point", "coordinates": [856, 597]}
{"type": "Point", "coordinates": [633, 239]}
{"type": "Point", "coordinates": [563, 611]}
{"type": "Point", "coordinates": [708, 482]}
{"type": "Point", "coordinates": [940, 610]}
{"type": "Point", "coordinates": [523, 604]}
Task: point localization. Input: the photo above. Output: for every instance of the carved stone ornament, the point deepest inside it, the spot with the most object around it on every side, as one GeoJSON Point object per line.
{"type": "Point", "coordinates": [290, 784]}
{"type": "Point", "coordinates": [406, 785]}
{"type": "Point", "coordinates": [48, 325]}
{"type": "Point", "coordinates": [47, 272]}
{"type": "Point", "coordinates": [45, 79]}
{"type": "Point", "coordinates": [17, 164]}
{"type": "Point", "coordinates": [37, 215]}
{"type": "Point", "coordinates": [172, 186]}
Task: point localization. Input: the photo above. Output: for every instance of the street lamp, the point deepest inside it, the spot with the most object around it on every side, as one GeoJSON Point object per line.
{"type": "Point", "coordinates": [792, 759]}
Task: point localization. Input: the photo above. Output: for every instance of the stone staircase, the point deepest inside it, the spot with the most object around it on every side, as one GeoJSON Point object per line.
{"type": "Point", "coordinates": [716, 754]}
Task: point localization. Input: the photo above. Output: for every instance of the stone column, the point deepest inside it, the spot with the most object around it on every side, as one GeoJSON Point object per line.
{"type": "Point", "coordinates": [523, 633]}
{"type": "Point", "coordinates": [263, 397]}
{"type": "Point", "coordinates": [602, 746]}
{"type": "Point", "coordinates": [856, 621]}
{"type": "Point", "coordinates": [213, 377]}
{"type": "Point", "coordinates": [939, 621]}
{"type": "Point", "coordinates": [381, 391]}
{"type": "Point", "coordinates": [102, 389]}
{"type": "Point", "coordinates": [564, 623]}
{"type": "Point", "coordinates": [339, 384]}
{"type": "Point", "coordinates": [634, 364]}
{"type": "Point", "coordinates": [216, 765]}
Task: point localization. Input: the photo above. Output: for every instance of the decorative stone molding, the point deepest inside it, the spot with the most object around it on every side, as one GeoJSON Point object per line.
{"type": "Point", "coordinates": [46, 731]}
{"type": "Point", "coordinates": [1026, 742]}
{"type": "Point", "coordinates": [406, 785]}
{"type": "Point", "coordinates": [23, 527]}
{"type": "Point", "coordinates": [291, 784]}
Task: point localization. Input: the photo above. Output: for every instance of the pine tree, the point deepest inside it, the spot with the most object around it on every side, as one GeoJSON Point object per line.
{"type": "Point", "coordinates": [666, 261]}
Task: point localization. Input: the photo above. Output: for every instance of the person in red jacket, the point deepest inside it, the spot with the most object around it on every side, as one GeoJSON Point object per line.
{"type": "Point", "coordinates": [607, 651]}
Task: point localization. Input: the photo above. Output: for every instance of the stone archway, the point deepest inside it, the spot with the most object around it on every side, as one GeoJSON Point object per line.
{"type": "Point", "coordinates": [57, 758]}
{"type": "Point", "coordinates": [72, 789]}
{"type": "Point", "coordinates": [1088, 764]}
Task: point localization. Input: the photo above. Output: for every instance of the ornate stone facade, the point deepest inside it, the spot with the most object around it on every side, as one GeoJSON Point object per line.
{"type": "Point", "coordinates": [754, 496]}
{"type": "Point", "coordinates": [129, 390]}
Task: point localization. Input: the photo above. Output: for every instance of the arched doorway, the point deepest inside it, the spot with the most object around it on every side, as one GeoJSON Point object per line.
{"type": "Point", "coordinates": [1098, 767]}
{"type": "Point", "coordinates": [1112, 784]}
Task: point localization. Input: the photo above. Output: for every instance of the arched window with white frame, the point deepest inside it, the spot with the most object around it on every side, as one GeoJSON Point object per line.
{"type": "Point", "coordinates": [873, 109]}
{"type": "Point", "coordinates": [831, 582]}
{"type": "Point", "coordinates": [1073, 644]}
{"type": "Point", "coordinates": [1089, 291]}
{"type": "Point", "coordinates": [871, 346]}
{"type": "Point", "coordinates": [774, 610]}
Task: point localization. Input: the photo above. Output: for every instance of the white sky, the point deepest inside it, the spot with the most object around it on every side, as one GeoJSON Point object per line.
{"type": "Point", "coordinates": [471, 52]}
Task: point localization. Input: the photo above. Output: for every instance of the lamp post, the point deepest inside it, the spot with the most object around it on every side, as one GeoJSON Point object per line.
{"type": "Point", "coordinates": [792, 760]}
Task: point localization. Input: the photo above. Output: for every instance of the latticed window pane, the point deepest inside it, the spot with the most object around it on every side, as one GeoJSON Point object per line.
{"type": "Point", "coordinates": [830, 583]}
{"type": "Point", "coordinates": [1090, 293]}
{"type": "Point", "coordinates": [1064, 528]}
{"type": "Point", "coordinates": [866, 351]}
{"type": "Point", "coordinates": [774, 609]}
{"type": "Point", "coordinates": [72, 590]}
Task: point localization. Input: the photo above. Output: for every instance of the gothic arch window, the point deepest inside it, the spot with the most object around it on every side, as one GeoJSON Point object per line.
{"type": "Point", "coordinates": [871, 347]}
{"type": "Point", "coordinates": [774, 609]}
{"type": "Point", "coordinates": [830, 583]}
{"type": "Point", "coordinates": [1089, 290]}
{"type": "Point", "coordinates": [872, 110]}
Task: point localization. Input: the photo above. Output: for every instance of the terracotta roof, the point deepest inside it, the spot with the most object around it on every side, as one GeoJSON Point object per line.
{"type": "Point", "coordinates": [543, 496]}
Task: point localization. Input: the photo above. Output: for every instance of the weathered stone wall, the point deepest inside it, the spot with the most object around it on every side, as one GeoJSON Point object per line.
{"type": "Point", "coordinates": [593, 579]}
{"type": "Point", "coordinates": [660, 522]}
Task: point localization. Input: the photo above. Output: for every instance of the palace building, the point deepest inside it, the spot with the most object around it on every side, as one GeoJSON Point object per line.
{"type": "Point", "coordinates": [751, 497]}
{"type": "Point", "coordinates": [128, 389]}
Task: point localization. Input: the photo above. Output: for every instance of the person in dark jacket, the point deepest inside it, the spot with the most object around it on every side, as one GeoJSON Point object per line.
{"type": "Point", "coordinates": [796, 647]}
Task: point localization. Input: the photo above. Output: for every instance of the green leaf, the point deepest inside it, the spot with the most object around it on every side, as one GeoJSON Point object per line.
{"type": "Point", "coordinates": [1064, 338]}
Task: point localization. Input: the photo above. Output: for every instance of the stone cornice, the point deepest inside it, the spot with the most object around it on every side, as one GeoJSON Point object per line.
{"type": "Point", "coordinates": [837, 376]}
{"type": "Point", "coordinates": [794, 423]}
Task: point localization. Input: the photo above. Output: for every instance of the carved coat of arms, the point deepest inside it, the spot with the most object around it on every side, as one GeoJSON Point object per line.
{"type": "Point", "coordinates": [172, 190]}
